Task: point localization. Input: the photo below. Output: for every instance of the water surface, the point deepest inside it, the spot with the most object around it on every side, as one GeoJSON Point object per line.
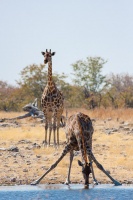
{"type": "Point", "coordinates": [64, 192]}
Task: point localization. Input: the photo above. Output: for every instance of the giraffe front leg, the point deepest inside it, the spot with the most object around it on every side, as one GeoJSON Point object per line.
{"type": "Point", "coordinates": [50, 131]}
{"type": "Point", "coordinates": [102, 169]}
{"type": "Point", "coordinates": [46, 129]}
{"type": "Point", "coordinates": [67, 182]}
{"type": "Point", "coordinates": [58, 126]}
{"type": "Point", "coordinates": [65, 151]}
{"type": "Point", "coordinates": [54, 131]}
{"type": "Point", "coordinates": [50, 169]}
{"type": "Point", "coordinates": [49, 121]}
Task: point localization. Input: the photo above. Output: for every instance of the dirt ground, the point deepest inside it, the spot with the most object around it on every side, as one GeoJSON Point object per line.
{"type": "Point", "coordinates": [24, 159]}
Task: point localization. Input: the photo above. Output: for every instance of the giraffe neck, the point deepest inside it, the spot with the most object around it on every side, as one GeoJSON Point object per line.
{"type": "Point", "coordinates": [83, 145]}
{"type": "Point", "coordinates": [49, 72]}
{"type": "Point", "coordinates": [84, 149]}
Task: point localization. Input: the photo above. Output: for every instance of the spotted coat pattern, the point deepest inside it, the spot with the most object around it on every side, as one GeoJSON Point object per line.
{"type": "Point", "coordinates": [52, 102]}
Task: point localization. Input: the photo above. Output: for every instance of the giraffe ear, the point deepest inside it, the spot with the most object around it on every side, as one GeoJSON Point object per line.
{"type": "Point", "coordinates": [80, 163]}
{"type": "Point", "coordinates": [43, 53]}
{"type": "Point", "coordinates": [53, 53]}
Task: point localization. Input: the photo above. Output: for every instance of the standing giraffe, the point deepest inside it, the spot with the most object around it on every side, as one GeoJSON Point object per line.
{"type": "Point", "coordinates": [79, 132]}
{"type": "Point", "coordinates": [52, 102]}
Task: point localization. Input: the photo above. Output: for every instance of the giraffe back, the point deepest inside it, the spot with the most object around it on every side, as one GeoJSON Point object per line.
{"type": "Point", "coordinates": [79, 129]}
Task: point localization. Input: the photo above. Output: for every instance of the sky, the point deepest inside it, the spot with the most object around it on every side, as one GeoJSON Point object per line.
{"type": "Point", "coordinates": [74, 29]}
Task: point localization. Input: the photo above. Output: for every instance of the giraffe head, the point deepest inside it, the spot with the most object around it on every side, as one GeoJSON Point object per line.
{"type": "Point", "coordinates": [86, 170]}
{"type": "Point", "coordinates": [47, 56]}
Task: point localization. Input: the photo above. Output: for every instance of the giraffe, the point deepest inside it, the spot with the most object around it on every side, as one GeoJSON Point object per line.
{"type": "Point", "coordinates": [79, 132]}
{"type": "Point", "coordinates": [51, 101]}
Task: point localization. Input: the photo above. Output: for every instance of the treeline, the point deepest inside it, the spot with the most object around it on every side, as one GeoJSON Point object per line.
{"type": "Point", "coordinates": [88, 88]}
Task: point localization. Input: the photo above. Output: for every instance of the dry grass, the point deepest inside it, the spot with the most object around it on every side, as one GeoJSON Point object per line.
{"type": "Point", "coordinates": [123, 114]}
{"type": "Point", "coordinates": [114, 151]}
{"type": "Point", "coordinates": [15, 134]}
{"type": "Point", "coordinates": [32, 133]}
{"type": "Point", "coordinates": [10, 114]}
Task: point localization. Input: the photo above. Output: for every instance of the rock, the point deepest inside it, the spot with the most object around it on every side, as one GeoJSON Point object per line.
{"type": "Point", "coordinates": [126, 124]}
{"type": "Point", "coordinates": [122, 122]}
{"type": "Point", "coordinates": [38, 156]}
{"type": "Point", "coordinates": [56, 154]}
{"type": "Point", "coordinates": [28, 162]}
{"type": "Point", "coordinates": [6, 165]}
{"type": "Point", "coordinates": [109, 131]}
{"type": "Point", "coordinates": [25, 170]}
{"type": "Point", "coordinates": [126, 129]}
{"type": "Point", "coordinates": [121, 126]}
{"type": "Point", "coordinates": [29, 148]}
{"type": "Point", "coordinates": [114, 130]}
{"type": "Point", "coordinates": [3, 149]}
{"type": "Point", "coordinates": [35, 145]}
{"type": "Point", "coordinates": [53, 178]}
{"type": "Point", "coordinates": [5, 125]}
{"type": "Point", "coordinates": [128, 132]}
{"type": "Point", "coordinates": [9, 125]}
{"type": "Point", "coordinates": [45, 159]}
{"type": "Point", "coordinates": [24, 142]}
{"type": "Point", "coordinates": [44, 168]}
{"type": "Point", "coordinates": [14, 149]}
{"type": "Point", "coordinates": [14, 154]}
{"type": "Point", "coordinates": [13, 179]}
{"type": "Point", "coordinates": [109, 119]}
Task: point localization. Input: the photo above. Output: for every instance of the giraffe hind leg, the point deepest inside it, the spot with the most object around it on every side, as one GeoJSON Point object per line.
{"type": "Point", "coordinates": [116, 183]}
{"type": "Point", "coordinates": [67, 182]}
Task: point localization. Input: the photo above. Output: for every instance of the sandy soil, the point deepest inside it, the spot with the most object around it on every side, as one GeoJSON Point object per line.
{"type": "Point", "coordinates": [23, 159]}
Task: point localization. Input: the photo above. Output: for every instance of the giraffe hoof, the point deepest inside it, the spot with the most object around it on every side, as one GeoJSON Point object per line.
{"type": "Point", "coordinates": [34, 182]}
{"type": "Point", "coordinates": [86, 186]}
{"type": "Point", "coordinates": [117, 183]}
{"type": "Point", "coordinates": [96, 183]}
{"type": "Point", "coordinates": [67, 182]}
{"type": "Point", "coordinates": [44, 143]}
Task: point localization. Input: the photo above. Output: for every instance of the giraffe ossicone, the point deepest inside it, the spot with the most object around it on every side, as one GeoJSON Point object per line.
{"type": "Point", "coordinates": [52, 102]}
